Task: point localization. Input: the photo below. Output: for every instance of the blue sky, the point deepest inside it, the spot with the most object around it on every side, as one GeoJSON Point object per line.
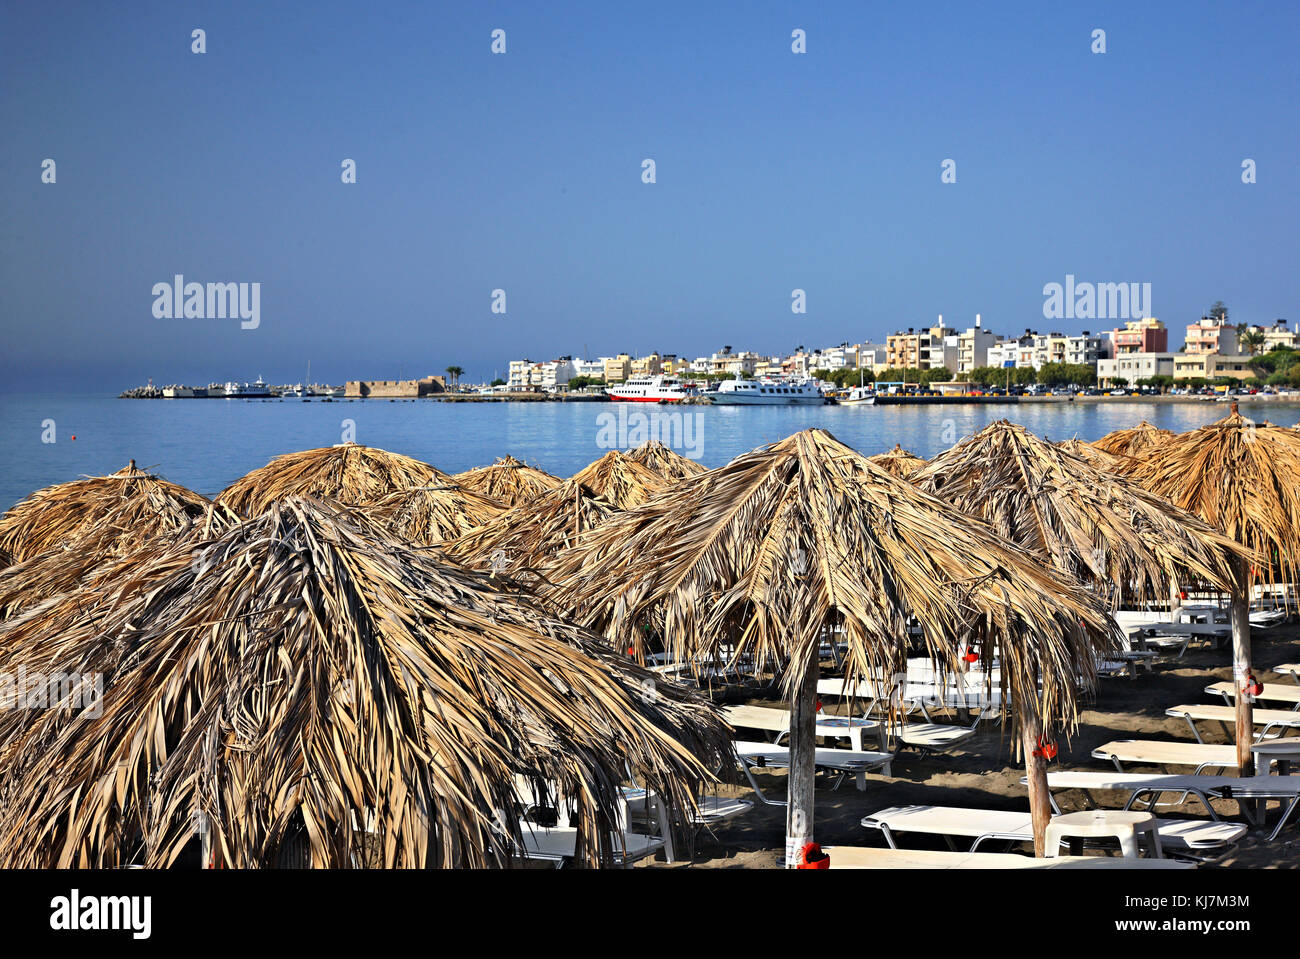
{"type": "Point", "coordinates": [522, 171]}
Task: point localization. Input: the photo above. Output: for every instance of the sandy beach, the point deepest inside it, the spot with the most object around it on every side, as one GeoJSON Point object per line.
{"type": "Point", "coordinates": [986, 775]}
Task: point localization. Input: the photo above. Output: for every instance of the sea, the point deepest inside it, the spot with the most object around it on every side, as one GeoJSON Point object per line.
{"type": "Point", "coordinates": [205, 444]}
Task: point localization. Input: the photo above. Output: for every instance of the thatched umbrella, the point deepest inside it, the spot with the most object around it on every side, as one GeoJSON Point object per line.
{"type": "Point", "coordinates": [526, 535]}
{"type": "Point", "coordinates": [667, 462]}
{"type": "Point", "coordinates": [1242, 478]}
{"type": "Point", "coordinates": [349, 474]}
{"type": "Point", "coordinates": [898, 461]}
{"type": "Point", "coordinates": [1110, 462]}
{"type": "Point", "coordinates": [1136, 441]}
{"type": "Point", "coordinates": [138, 501]}
{"type": "Point", "coordinates": [508, 481]}
{"type": "Point", "coordinates": [429, 515]}
{"type": "Point", "coordinates": [305, 672]}
{"type": "Point", "coordinates": [621, 480]}
{"type": "Point", "coordinates": [786, 541]}
{"type": "Point", "coordinates": [94, 552]}
{"type": "Point", "coordinates": [1091, 525]}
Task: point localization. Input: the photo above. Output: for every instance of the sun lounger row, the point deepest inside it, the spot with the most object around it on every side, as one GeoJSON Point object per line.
{"type": "Point", "coordinates": [1199, 839]}
{"type": "Point", "coordinates": [858, 857]}
{"type": "Point", "coordinates": [1148, 788]}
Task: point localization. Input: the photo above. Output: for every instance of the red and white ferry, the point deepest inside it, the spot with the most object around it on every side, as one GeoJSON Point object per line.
{"type": "Point", "coordinates": [651, 389]}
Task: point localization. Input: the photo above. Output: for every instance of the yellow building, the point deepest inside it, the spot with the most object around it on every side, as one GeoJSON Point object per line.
{"type": "Point", "coordinates": [618, 369]}
{"type": "Point", "coordinates": [651, 365]}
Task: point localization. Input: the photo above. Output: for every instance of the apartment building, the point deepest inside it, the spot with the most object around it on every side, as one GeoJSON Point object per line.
{"type": "Point", "coordinates": [1133, 367]}
{"type": "Point", "coordinates": [618, 369]}
{"type": "Point", "coordinates": [1208, 366]}
{"type": "Point", "coordinates": [1210, 335]}
{"type": "Point", "coordinates": [1146, 335]}
{"type": "Point", "coordinates": [973, 347]}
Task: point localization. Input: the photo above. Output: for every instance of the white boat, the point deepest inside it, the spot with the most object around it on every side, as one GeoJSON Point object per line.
{"type": "Point", "coordinates": [859, 396]}
{"type": "Point", "coordinates": [254, 390]}
{"type": "Point", "coordinates": [177, 392]}
{"type": "Point", "coordinates": [767, 393]}
{"type": "Point", "coordinates": [651, 389]}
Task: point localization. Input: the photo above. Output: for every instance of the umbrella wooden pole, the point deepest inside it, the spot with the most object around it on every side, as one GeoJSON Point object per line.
{"type": "Point", "coordinates": [1040, 804]}
{"type": "Point", "coordinates": [1245, 732]}
{"type": "Point", "coordinates": [803, 746]}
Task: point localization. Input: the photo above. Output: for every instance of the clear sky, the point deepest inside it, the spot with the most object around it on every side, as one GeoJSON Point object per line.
{"type": "Point", "coordinates": [522, 172]}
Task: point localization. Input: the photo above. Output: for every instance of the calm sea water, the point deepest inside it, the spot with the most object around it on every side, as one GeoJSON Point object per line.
{"type": "Point", "coordinates": [206, 444]}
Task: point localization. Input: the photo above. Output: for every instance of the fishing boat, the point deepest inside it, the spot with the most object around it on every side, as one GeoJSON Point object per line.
{"type": "Point", "coordinates": [767, 392]}
{"type": "Point", "coordinates": [859, 396]}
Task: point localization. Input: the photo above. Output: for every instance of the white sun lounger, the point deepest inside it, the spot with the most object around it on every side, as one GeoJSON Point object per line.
{"type": "Point", "coordinates": [1199, 838]}
{"type": "Point", "coordinates": [859, 857]}
{"type": "Point", "coordinates": [1272, 692]}
{"type": "Point", "coordinates": [1288, 669]}
{"type": "Point", "coordinates": [558, 843]}
{"type": "Point", "coordinates": [1270, 719]}
{"type": "Point", "coordinates": [923, 737]}
{"type": "Point", "coordinates": [778, 721]}
{"type": "Point", "coordinates": [844, 762]}
{"type": "Point", "coordinates": [1157, 752]}
{"type": "Point", "coordinates": [1204, 788]}
{"type": "Point", "coordinates": [1283, 788]}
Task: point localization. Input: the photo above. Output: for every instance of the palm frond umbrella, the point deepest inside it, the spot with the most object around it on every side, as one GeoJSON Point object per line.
{"type": "Point", "coordinates": [349, 474]}
{"type": "Point", "coordinates": [523, 537]}
{"type": "Point", "coordinates": [138, 501]}
{"type": "Point", "coordinates": [665, 461]}
{"type": "Point", "coordinates": [429, 515]}
{"type": "Point", "coordinates": [898, 461]}
{"type": "Point", "coordinates": [621, 480]}
{"type": "Point", "coordinates": [509, 481]}
{"type": "Point", "coordinates": [1097, 527]}
{"type": "Point", "coordinates": [792, 539]}
{"type": "Point", "coordinates": [94, 552]}
{"type": "Point", "coordinates": [1135, 441]}
{"type": "Point", "coordinates": [304, 672]}
{"type": "Point", "coordinates": [1242, 478]}
{"type": "Point", "coordinates": [1109, 462]}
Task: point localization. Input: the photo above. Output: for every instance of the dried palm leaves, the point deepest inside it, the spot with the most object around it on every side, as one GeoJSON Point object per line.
{"type": "Point", "coordinates": [509, 481]}
{"type": "Point", "coordinates": [898, 461]}
{"type": "Point", "coordinates": [1100, 459]}
{"type": "Point", "coordinates": [349, 474]}
{"type": "Point", "coordinates": [667, 462]}
{"type": "Point", "coordinates": [622, 481]}
{"type": "Point", "coordinates": [1092, 525]}
{"type": "Point", "coordinates": [786, 540]}
{"type": "Point", "coordinates": [1137, 441]}
{"type": "Point", "coordinates": [528, 534]}
{"type": "Point", "coordinates": [304, 671]}
{"type": "Point", "coordinates": [129, 505]}
{"type": "Point", "coordinates": [428, 515]}
{"type": "Point", "coordinates": [1240, 477]}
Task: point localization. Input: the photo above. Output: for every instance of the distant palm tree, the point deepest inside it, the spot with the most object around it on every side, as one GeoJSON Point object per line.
{"type": "Point", "coordinates": [1252, 340]}
{"type": "Point", "coordinates": [453, 374]}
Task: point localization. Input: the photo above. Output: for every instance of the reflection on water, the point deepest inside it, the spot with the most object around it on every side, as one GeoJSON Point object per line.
{"type": "Point", "coordinates": [206, 444]}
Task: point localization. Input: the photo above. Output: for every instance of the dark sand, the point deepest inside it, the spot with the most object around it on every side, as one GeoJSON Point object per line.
{"type": "Point", "coordinates": [983, 773]}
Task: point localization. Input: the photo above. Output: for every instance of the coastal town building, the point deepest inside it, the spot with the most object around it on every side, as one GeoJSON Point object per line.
{"type": "Point", "coordinates": [1209, 366]}
{"type": "Point", "coordinates": [973, 347]}
{"type": "Point", "coordinates": [1147, 335]}
{"type": "Point", "coordinates": [1276, 336]}
{"type": "Point", "coordinates": [1211, 335]}
{"type": "Point", "coordinates": [1132, 368]}
{"type": "Point", "coordinates": [618, 368]}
